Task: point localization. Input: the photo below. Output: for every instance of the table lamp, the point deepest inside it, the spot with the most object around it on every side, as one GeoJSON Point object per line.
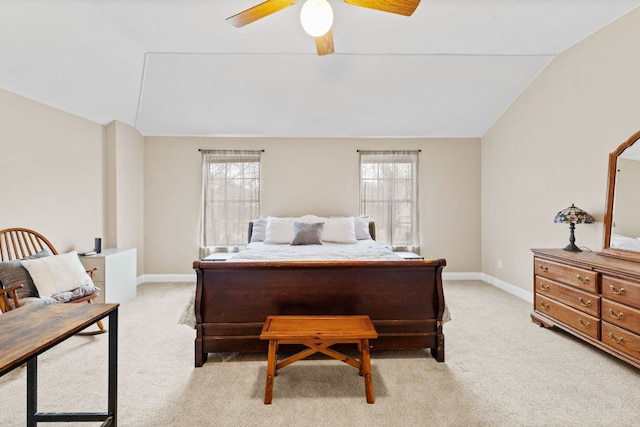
{"type": "Point", "coordinates": [573, 215]}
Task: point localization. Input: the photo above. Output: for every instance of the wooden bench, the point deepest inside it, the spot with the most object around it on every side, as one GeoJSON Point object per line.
{"type": "Point", "coordinates": [319, 333]}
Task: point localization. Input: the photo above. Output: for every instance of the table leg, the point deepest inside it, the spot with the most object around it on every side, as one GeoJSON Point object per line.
{"type": "Point", "coordinates": [366, 369]}
{"type": "Point", "coordinates": [271, 371]}
{"type": "Point", "coordinates": [361, 370]}
{"type": "Point", "coordinates": [112, 404]}
{"type": "Point", "coordinates": [32, 391]}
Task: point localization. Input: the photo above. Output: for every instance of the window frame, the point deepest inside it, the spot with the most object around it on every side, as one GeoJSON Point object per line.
{"type": "Point", "coordinates": [397, 189]}
{"type": "Point", "coordinates": [224, 220]}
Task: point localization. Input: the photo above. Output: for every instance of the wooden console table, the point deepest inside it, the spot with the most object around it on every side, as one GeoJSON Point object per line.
{"type": "Point", "coordinates": [319, 333]}
{"type": "Point", "coordinates": [29, 331]}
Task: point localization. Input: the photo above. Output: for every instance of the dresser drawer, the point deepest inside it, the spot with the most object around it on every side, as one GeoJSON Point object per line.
{"type": "Point", "coordinates": [621, 290]}
{"type": "Point", "coordinates": [575, 276]}
{"type": "Point", "coordinates": [576, 298]}
{"type": "Point", "coordinates": [578, 320]}
{"type": "Point", "coordinates": [621, 340]}
{"type": "Point", "coordinates": [621, 315]}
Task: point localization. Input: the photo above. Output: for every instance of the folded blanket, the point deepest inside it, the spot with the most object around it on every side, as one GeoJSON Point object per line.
{"type": "Point", "coordinates": [76, 293]}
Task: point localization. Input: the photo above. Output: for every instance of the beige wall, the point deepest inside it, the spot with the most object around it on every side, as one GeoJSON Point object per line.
{"type": "Point", "coordinates": [64, 176]}
{"type": "Point", "coordinates": [550, 149]}
{"type": "Point", "coordinates": [319, 176]}
{"type": "Point", "coordinates": [124, 177]}
{"type": "Point", "coordinates": [51, 171]}
{"type": "Point", "coordinates": [74, 180]}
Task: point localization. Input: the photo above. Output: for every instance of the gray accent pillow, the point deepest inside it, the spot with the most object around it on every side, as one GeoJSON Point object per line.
{"type": "Point", "coordinates": [307, 233]}
{"type": "Point", "coordinates": [14, 273]}
{"type": "Point", "coordinates": [258, 230]}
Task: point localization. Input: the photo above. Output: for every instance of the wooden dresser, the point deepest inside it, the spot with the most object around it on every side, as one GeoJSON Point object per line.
{"type": "Point", "coordinates": [592, 296]}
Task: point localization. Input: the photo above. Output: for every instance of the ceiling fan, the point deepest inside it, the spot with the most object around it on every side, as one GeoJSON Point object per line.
{"type": "Point", "coordinates": [317, 17]}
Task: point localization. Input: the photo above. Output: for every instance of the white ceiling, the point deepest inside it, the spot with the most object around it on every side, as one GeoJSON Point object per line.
{"type": "Point", "coordinates": [175, 67]}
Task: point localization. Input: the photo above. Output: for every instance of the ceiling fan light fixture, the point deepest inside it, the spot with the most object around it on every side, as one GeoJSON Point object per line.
{"type": "Point", "coordinates": [316, 17]}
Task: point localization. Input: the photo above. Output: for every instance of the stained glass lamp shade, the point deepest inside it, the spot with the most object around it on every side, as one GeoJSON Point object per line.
{"type": "Point", "coordinates": [572, 216]}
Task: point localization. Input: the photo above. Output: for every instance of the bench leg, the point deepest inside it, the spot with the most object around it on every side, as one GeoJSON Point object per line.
{"type": "Point", "coordinates": [271, 371]}
{"type": "Point", "coordinates": [366, 371]}
{"type": "Point", "coordinates": [361, 370]}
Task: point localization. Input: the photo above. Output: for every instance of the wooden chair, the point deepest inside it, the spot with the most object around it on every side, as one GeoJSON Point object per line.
{"type": "Point", "coordinates": [5, 305]}
{"type": "Point", "coordinates": [18, 243]}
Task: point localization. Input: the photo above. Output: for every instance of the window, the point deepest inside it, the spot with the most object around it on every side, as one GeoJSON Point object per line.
{"type": "Point", "coordinates": [389, 196]}
{"type": "Point", "coordinates": [231, 196]}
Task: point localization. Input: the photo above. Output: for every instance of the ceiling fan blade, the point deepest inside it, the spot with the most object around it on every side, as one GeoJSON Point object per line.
{"type": "Point", "coordinates": [324, 44]}
{"type": "Point", "coordinates": [401, 7]}
{"type": "Point", "coordinates": [259, 11]}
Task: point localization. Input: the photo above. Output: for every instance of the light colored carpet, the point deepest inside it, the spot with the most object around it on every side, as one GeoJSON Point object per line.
{"type": "Point", "coordinates": [500, 370]}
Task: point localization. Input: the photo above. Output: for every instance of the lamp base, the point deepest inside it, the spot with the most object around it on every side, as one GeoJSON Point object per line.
{"type": "Point", "coordinates": [572, 248]}
{"type": "Point", "coordinates": [572, 240]}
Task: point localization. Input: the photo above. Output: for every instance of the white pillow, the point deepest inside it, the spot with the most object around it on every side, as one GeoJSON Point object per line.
{"type": "Point", "coordinates": [279, 230]}
{"type": "Point", "coordinates": [57, 273]}
{"type": "Point", "coordinates": [259, 230]}
{"type": "Point", "coordinates": [339, 230]}
{"type": "Point", "coordinates": [361, 224]}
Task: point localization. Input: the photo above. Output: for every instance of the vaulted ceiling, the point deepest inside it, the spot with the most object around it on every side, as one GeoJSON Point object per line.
{"type": "Point", "coordinates": [175, 67]}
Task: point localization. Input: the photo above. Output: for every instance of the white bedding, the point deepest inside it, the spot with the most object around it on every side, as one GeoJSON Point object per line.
{"type": "Point", "coordinates": [362, 250]}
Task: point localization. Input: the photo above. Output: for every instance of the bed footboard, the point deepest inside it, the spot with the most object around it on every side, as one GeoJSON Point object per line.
{"type": "Point", "coordinates": [404, 299]}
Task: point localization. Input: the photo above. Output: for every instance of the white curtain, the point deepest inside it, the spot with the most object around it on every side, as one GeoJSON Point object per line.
{"type": "Point", "coordinates": [230, 196]}
{"type": "Point", "coordinates": [389, 196]}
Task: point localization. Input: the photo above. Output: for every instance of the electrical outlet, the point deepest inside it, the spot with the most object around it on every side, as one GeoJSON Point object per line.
{"type": "Point", "coordinates": [499, 263]}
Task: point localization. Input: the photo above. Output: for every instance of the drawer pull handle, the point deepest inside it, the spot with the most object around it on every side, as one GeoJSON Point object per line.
{"type": "Point", "coordinates": [544, 286]}
{"type": "Point", "coordinates": [613, 290]}
{"type": "Point", "coordinates": [584, 303]}
{"type": "Point", "coordinates": [586, 325]}
{"type": "Point", "coordinates": [543, 267]}
{"type": "Point", "coordinates": [616, 340]}
{"type": "Point", "coordinates": [545, 306]}
{"type": "Point", "coordinates": [585, 280]}
{"type": "Point", "coordinates": [620, 315]}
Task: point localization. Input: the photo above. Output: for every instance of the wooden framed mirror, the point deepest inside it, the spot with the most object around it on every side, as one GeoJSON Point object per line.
{"type": "Point", "coordinates": [622, 216]}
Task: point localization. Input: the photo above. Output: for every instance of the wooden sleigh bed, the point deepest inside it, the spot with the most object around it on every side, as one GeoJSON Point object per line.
{"type": "Point", "coordinates": [404, 299]}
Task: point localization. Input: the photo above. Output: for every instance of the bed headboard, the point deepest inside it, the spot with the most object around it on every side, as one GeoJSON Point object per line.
{"type": "Point", "coordinates": [372, 230]}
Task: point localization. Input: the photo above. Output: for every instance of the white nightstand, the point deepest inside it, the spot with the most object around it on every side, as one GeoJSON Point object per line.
{"type": "Point", "coordinates": [409, 255]}
{"type": "Point", "coordinates": [115, 275]}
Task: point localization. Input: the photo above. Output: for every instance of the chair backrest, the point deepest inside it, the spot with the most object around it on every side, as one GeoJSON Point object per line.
{"type": "Point", "coordinates": [17, 243]}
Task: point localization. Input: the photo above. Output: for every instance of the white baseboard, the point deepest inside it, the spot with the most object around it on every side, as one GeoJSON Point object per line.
{"type": "Point", "coordinates": [507, 287]}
